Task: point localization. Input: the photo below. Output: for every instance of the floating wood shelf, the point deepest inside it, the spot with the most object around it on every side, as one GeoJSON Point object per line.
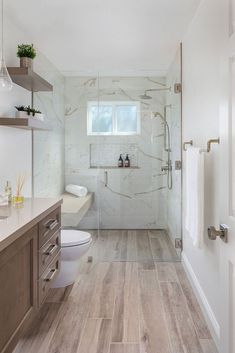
{"type": "Point", "coordinates": [24, 123]}
{"type": "Point", "coordinates": [29, 80]}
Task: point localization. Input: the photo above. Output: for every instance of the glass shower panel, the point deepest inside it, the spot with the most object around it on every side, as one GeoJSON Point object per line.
{"type": "Point", "coordinates": [134, 200]}
{"type": "Point", "coordinates": [80, 90]}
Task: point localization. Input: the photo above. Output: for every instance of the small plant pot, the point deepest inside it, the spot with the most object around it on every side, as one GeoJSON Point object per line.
{"type": "Point", "coordinates": [39, 116]}
{"type": "Point", "coordinates": [21, 114]}
{"type": "Point", "coordinates": [26, 63]}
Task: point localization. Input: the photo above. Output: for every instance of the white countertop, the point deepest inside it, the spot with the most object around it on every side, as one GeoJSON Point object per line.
{"type": "Point", "coordinates": [15, 220]}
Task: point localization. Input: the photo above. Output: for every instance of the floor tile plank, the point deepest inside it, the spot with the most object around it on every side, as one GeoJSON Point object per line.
{"type": "Point", "coordinates": [125, 326]}
{"type": "Point", "coordinates": [166, 272]}
{"type": "Point", "coordinates": [144, 253]}
{"type": "Point", "coordinates": [124, 348]}
{"type": "Point", "coordinates": [96, 336]}
{"type": "Point", "coordinates": [131, 245]}
{"type": "Point", "coordinates": [181, 329]}
{"type": "Point", "coordinates": [103, 299]}
{"type": "Point", "coordinates": [67, 336]}
{"type": "Point", "coordinates": [153, 329]}
{"type": "Point", "coordinates": [39, 335]}
{"type": "Point", "coordinates": [208, 346]}
{"type": "Point", "coordinates": [198, 319]}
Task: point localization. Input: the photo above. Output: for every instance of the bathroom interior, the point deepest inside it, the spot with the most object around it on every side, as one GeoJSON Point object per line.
{"type": "Point", "coordinates": [108, 230]}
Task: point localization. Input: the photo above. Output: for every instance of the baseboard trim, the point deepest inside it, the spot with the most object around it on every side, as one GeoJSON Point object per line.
{"type": "Point", "coordinates": [202, 299]}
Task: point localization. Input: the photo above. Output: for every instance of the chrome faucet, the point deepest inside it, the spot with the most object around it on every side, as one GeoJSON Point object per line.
{"type": "Point", "coordinates": [167, 167]}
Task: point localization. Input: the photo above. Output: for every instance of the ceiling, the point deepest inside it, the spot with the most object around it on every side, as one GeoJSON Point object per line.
{"type": "Point", "coordinates": [105, 35]}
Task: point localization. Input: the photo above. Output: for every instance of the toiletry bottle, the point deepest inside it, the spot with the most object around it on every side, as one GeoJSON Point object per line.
{"type": "Point", "coordinates": [8, 192]}
{"type": "Point", "coordinates": [120, 162]}
{"type": "Point", "coordinates": [127, 162]}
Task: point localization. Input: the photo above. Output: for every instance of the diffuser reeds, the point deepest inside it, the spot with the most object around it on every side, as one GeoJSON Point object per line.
{"type": "Point", "coordinates": [20, 181]}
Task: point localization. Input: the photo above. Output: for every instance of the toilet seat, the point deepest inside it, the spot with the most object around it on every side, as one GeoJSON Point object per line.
{"type": "Point", "coordinates": [72, 237]}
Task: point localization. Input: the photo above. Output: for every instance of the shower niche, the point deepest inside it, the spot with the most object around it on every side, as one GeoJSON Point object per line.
{"type": "Point", "coordinates": [106, 155]}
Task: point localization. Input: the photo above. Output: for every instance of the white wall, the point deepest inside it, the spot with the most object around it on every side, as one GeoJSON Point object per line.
{"type": "Point", "coordinates": [15, 144]}
{"type": "Point", "coordinates": [201, 86]}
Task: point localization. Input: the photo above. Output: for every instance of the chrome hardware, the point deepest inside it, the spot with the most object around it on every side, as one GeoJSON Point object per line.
{"type": "Point", "coordinates": [177, 87]}
{"type": "Point", "coordinates": [166, 167]}
{"type": "Point", "coordinates": [187, 143]}
{"type": "Point", "coordinates": [222, 232]}
{"type": "Point", "coordinates": [178, 165]}
{"type": "Point", "coordinates": [51, 249]}
{"type": "Point", "coordinates": [178, 243]}
{"type": "Point", "coordinates": [210, 142]}
{"type": "Point", "coordinates": [106, 179]}
{"type": "Point", "coordinates": [51, 275]}
{"type": "Point", "coordinates": [51, 224]}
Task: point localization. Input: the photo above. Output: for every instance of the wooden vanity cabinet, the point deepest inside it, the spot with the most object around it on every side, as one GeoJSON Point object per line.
{"type": "Point", "coordinates": [18, 287]}
{"type": "Point", "coordinates": [27, 269]}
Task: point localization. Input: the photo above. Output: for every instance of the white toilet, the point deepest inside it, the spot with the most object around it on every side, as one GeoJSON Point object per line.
{"type": "Point", "coordinates": [74, 244]}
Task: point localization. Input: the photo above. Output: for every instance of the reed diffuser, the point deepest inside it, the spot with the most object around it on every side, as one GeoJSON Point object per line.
{"type": "Point", "coordinates": [18, 198]}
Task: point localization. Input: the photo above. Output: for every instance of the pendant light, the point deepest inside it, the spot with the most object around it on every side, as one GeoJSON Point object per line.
{"type": "Point", "coordinates": [5, 80]}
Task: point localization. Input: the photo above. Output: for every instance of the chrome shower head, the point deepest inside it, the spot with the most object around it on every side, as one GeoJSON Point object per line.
{"type": "Point", "coordinates": [145, 96]}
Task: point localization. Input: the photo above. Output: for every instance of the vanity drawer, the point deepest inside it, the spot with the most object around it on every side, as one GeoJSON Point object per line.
{"type": "Point", "coordinates": [48, 251]}
{"type": "Point", "coordinates": [47, 278]}
{"type": "Point", "coordinates": [48, 226]}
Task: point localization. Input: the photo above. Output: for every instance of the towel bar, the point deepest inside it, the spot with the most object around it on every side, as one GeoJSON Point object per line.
{"type": "Point", "coordinates": [209, 143]}
{"type": "Point", "coordinates": [187, 143]}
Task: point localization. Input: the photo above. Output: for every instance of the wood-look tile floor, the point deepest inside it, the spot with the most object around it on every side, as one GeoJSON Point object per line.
{"type": "Point", "coordinates": [121, 306]}
{"type": "Point", "coordinates": [144, 246]}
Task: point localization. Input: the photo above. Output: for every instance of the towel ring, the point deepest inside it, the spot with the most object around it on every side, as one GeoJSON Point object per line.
{"type": "Point", "coordinates": [187, 143]}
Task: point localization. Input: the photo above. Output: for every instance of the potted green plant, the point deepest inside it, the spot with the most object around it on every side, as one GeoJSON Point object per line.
{"type": "Point", "coordinates": [38, 115]}
{"type": "Point", "coordinates": [25, 112]}
{"type": "Point", "coordinates": [26, 53]}
{"type": "Point", "coordinates": [21, 111]}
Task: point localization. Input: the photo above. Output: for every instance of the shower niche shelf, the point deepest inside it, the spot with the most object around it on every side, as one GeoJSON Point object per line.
{"type": "Point", "coordinates": [24, 123]}
{"type": "Point", "coordinates": [28, 79]}
{"type": "Point", "coordinates": [113, 167]}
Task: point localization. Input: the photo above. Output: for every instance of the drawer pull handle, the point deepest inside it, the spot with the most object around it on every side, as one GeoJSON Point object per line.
{"type": "Point", "coordinates": [50, 249]}
{"type": "Point", "coordinates": [50, 275]}
{"type": "Point", "coordinates": [51, 224]}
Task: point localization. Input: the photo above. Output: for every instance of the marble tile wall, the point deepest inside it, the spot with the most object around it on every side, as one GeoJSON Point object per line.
{"type": "Point", "coordinates": [134, 198]}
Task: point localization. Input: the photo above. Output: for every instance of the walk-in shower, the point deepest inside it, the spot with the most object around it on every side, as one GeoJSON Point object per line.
{"type": "Point", "coordinates": [134, 210]}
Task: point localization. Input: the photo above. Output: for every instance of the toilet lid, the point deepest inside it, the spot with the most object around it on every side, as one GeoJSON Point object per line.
{"type": "Point", "coordinates": [70, 237]}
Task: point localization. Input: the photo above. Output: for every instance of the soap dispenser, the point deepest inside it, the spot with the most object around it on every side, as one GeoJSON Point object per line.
{"type": "Point", "coordinates": [8, 191]}
{"type": "Point", "coordinates": [127, 161]}
{"type": "Point", "coordinates": [120, 162]}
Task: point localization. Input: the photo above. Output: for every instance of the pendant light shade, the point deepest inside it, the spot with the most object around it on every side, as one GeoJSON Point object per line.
{"type": "Point", "coordinates": [5, 80]}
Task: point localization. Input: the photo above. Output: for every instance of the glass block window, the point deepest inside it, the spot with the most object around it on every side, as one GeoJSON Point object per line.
{"type": "Point", "coordinates": [113, 118]}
